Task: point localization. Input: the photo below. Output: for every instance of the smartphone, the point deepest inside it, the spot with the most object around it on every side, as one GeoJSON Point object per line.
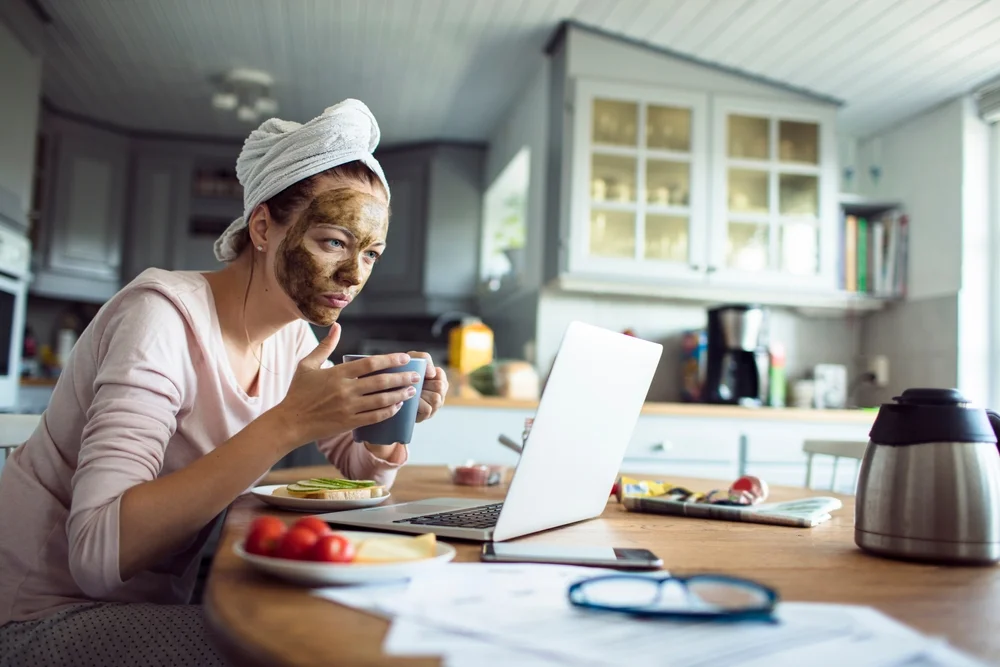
{"type": "Point", "coordinates": [625, 559]}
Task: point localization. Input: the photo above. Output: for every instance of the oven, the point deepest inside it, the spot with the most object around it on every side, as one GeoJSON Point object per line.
{"type": "Point", "coordinates": [15, 273]}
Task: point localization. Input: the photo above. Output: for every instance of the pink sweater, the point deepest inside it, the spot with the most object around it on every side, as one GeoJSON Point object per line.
{"type": "Point", "coordinates": [147, 390]}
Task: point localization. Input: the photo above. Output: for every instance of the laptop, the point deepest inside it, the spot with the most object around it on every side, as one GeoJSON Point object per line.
{"type": "Point", "coordinates": [583, 425]}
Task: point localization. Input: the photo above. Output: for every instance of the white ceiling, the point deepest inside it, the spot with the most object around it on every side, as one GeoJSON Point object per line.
{"type": "Point", "coordinates": [447, 69]}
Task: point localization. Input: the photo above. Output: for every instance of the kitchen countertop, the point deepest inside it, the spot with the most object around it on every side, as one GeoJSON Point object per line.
{"type": "Point", "coordinates": [856, 416]}
{"type": "Point", "coordinates": [38, 382]}
{"type": "Point", "coordinates": [650, 408]}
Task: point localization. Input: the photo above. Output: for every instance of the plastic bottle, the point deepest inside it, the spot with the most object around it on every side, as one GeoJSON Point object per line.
{"type": "Point", "coordinates": [777, 380]}
{"type": "Point", "coordinates": [470, 345]}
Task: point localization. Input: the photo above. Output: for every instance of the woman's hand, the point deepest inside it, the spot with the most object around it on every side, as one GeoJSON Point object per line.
{"type": "Point", "coordinates": [435, 388]}
{"type": "Point", "coordinates": [322, 402]}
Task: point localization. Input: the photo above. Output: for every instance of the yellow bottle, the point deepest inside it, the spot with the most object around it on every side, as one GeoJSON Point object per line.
{"type": "Point", "coordinates": [470, 345]}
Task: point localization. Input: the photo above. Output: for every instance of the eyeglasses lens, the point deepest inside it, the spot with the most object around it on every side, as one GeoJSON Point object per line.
{"type": "Point", "coordinates": [727, 596]}
{"type": "Point", "coordinates": [621, 592]}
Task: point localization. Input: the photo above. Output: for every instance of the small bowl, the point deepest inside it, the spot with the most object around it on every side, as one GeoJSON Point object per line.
{"type": "Point", "coordinates": [471, 473]}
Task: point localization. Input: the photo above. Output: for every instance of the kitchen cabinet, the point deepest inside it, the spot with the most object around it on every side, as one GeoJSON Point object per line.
{"type": "Point", "coordinates": [774, 201]}
{"type": "Point", "coordinates": [401, 268]}
{"type": "Point", "coordinates": [156, 211]}
{"type": "Point", "coordinates": [683, 187]}
{"type": "Point", "coordinates": [79, 249]}
{"type": "Point", "coordinates": [662, 446]}
{"type": "Point", "coordinates": [430, 264]}
{"type": "Point", "coordinates": [182, 203]}
{"type": "Point", "coordinates": [639, 202]}
{"type": "Point", "coordinates": [684, 446]}
{"type": "Point", "coordinates": [773, 451]}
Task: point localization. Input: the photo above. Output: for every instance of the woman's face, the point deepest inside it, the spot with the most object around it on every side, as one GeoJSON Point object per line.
{"type": "Point", "coordinates": [327, 252]}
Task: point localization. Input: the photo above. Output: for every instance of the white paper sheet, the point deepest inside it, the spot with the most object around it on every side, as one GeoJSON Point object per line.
{"type": "Point", "coordinates": [520, 613]}
{"type": "Point", "coordinates": [410, 637]}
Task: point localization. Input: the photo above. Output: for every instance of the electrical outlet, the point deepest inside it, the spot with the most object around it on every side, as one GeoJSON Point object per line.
{"type": "Point", "coordinates": [879, 367]}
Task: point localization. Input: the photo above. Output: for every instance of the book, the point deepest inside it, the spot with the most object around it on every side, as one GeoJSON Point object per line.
{"type": "Point", "coordinates": [862, 255]}
{"type": "Point", "coordinates": [878, 258]}
{"type": "Point", "coordinates": [804, 513]}
{"type": "Point", "coordinates": [851, 254]}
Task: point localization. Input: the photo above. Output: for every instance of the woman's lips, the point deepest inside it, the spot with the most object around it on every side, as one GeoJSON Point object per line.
{"type": "Point", "coordinates": [336, 300]}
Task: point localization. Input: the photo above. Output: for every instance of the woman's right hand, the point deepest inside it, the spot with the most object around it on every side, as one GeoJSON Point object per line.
{"type": "Point", "coordinates": [323, 402]}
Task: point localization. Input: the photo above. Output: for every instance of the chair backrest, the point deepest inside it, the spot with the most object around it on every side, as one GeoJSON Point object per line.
{"type": "Point", "coordinates": [15, 429]}
{"type": "Point", "coordinates": [844, 449]}
{"type": "Point", "coordinates": [838, 449]}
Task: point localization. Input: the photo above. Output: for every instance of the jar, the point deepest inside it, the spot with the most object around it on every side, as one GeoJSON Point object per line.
{"type": "Point", "coordinates": [527, 430]}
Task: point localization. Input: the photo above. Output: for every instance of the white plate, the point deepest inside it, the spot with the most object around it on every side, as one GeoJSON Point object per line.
{"type": "Point", "coordinates": [312, 504]}
{"type": "Point", "coordinates": [326, 574]}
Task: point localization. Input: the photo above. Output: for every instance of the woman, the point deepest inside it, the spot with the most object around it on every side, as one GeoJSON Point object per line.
{"type": "Point", "coordinates": [182, 393]}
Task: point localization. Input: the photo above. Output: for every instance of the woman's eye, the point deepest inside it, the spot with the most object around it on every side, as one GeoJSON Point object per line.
{"type": "Point", "coordinates": [334, 243]}
{"type": "Point", "coordinates": [373, 256]}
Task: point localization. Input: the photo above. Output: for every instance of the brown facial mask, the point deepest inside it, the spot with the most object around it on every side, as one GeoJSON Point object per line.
{"type": "Point", "coordinates": [306, 275]}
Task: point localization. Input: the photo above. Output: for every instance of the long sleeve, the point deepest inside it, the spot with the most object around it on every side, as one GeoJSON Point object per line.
{"type": "Point", "coordinates": [352, 459]}
{"type": "Point", "coordinates": [137, 395]}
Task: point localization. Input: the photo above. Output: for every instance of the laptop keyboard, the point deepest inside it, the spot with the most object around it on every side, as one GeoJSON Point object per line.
{"type": "Point", "coordinates": [484, 516]}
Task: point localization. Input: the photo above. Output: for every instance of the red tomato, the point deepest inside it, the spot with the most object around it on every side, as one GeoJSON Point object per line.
{"type": "Point", "coordinates": [318, 526]}
{"type": "Point", "coordinates": [333, 548]}
{"type": "Point", "coordinates": [264, 535]}
{"type": "Point", "coordinates": [296, 544]}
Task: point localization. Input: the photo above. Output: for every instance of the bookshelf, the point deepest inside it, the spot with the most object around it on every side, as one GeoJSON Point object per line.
{"type": "Point", "coordinates": [873, 248]}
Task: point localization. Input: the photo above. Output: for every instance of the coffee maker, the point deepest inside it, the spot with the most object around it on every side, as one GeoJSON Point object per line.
{"type": "Point", "coordinates": [738, 362]}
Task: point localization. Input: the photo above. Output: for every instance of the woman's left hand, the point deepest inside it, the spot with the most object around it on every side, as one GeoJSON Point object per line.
{"type": "Point", "coordinates": [434, 390]}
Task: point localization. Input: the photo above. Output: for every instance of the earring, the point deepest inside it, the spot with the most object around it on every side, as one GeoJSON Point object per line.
{"type": "Point", "coordinates": [260, 248]}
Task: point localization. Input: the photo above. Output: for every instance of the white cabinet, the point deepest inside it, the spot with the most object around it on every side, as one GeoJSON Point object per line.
{"type": "Point", "coordinates": [774, 201]}
{"type": "Point", "coordinates": [684, 447]}
{"type": "Point", "coordinates": [699, 191]}
{"type": "Point", "coordinates": [639, 174]}
{"type": "Point", "coordinates": [80, 248]}
{"type": "Point", "coordinates": [457, 434]}
{"type": "Point", "coordinates": [773, 451]}
{"type": "Point", "coordinates": [662, 446]}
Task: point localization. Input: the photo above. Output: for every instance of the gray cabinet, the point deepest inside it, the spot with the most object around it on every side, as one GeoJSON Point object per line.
{"type": "Point", "coordinates": [431, 260]}
{"type": "Point", "coordinates": [172, 224]}
{"type": "Point", "coordinates": [80, 240]}
{"type": "Point", "coordinates": [156, 210]}
{"type": "Point", "coordinates": [400, 271]}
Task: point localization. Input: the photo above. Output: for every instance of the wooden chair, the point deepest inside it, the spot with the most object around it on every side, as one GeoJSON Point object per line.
{"type": "Point", "coordinates": [14, 430]}
{"type": "Point", "coordinates": [838, 449]}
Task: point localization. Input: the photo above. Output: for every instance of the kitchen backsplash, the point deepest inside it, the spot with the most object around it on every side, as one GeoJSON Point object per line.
{"type": "Point", "coordinates": [807, 341]}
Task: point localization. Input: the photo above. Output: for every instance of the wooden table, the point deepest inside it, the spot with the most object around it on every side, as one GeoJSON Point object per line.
{"type": "Point", "coordinates": [260, 621]}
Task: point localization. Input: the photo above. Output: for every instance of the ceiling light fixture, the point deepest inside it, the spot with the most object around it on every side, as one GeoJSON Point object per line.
{"type": "Point", "coordinates": [246, 91]}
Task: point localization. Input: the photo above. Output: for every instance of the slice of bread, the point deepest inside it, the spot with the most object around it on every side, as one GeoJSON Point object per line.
{"type": "Point", "coordinates": [332, 494]}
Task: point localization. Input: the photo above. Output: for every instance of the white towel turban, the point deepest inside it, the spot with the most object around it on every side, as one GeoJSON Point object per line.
{"type": "Point", "coordinates": [280, 153]}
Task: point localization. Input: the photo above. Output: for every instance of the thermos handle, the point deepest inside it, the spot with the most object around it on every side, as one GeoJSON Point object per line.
{"type": "Point", "coordinates": [995, 423]}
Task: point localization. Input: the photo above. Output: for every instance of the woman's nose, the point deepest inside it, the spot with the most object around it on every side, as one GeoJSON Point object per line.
{"type": "Point", "coordinates": [349, 272]}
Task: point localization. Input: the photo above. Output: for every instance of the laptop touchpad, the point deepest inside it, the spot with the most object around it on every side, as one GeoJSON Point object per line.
{"type": "Point", "coordinates": [427, 508]}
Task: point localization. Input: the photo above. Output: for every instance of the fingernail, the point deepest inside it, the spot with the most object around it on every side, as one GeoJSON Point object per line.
{"type": "Point", "coordinates": [404, 358]}
{"type": "Point", "coordinates": [399, 405]}
{"type": "Point", "coordinates": [410, 391]}
{"type": "Point", "coordinates": [415, 378]}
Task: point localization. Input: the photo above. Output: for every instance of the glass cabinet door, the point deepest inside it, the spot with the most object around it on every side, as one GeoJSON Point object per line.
{"type": "Point", "coordinates": [770, 201]}
{"type": "Point", "coordinates": [643, 185]}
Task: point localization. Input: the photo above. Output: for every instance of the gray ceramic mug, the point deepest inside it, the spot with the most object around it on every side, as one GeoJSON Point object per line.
{"type": "Point", "coordinates": [399, 427]}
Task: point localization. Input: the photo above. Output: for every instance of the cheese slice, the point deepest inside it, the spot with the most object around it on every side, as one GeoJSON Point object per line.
{"type": "Point", "coordinates": [396, 549]}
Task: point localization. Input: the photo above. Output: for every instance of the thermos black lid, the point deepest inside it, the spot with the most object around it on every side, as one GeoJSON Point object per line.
{"type": "Point", "coordinates": [930, 415]}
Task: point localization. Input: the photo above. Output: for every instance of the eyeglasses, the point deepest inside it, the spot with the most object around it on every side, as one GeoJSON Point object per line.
{"type": "Point", "coordinates": [706, 596]}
